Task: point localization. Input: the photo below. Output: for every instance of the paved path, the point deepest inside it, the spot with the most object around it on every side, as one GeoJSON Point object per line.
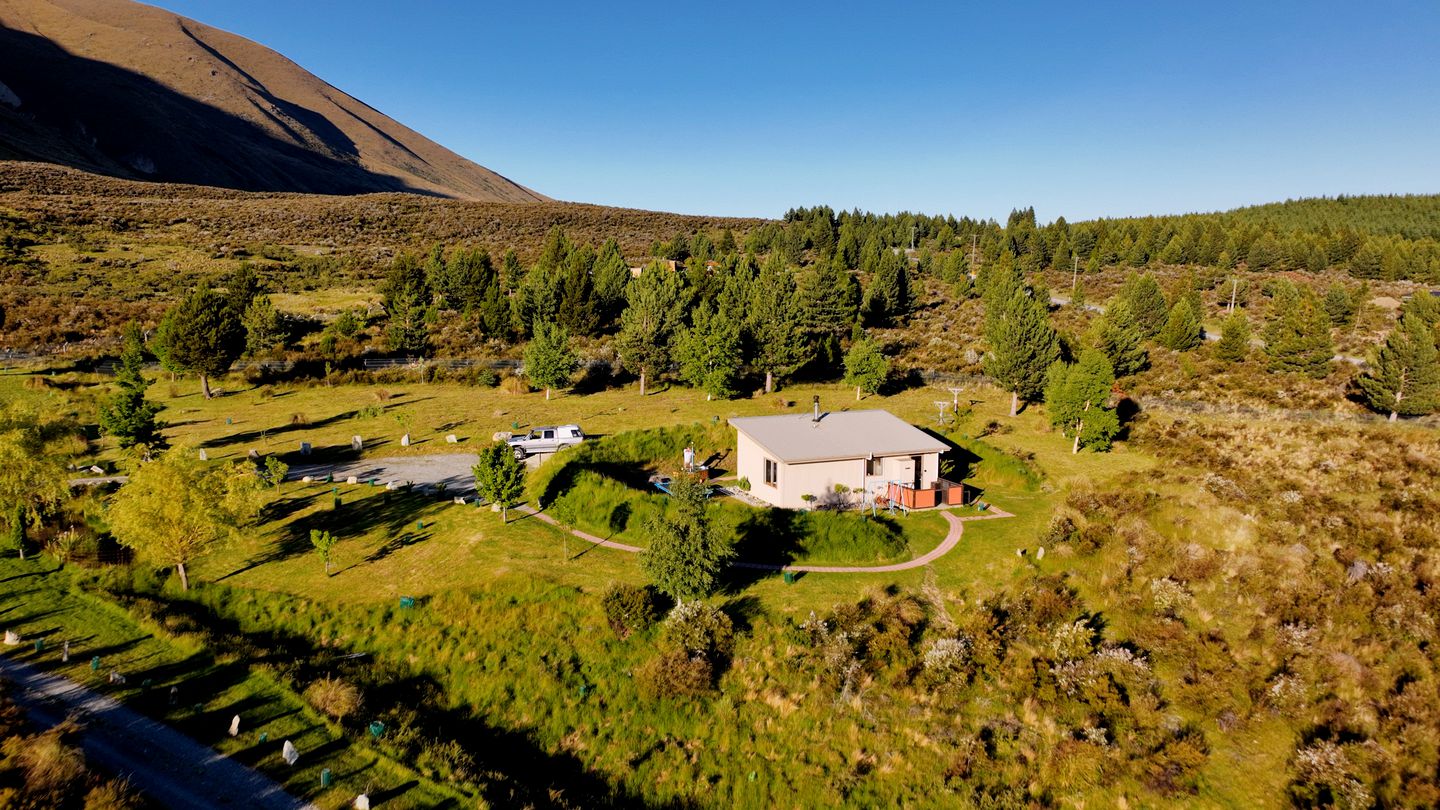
{"type": "Point", "coordinates": [171, 769]}
{"type": "Point", "coordinates": [952, 539]}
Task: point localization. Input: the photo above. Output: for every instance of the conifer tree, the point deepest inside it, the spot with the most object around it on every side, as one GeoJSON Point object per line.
{"type": "Point", "coordinates": [1023, 345]}
{"type": "Point", "coordinates": [1118, 337]}
{"type": "Point", "coordinates": [500, 477]}
{"type": "Point", "coordinates": [264, 328]}
{"type": "Point", "coordinates": [1299, 340]}
{"type": "Point", "coordinates": [888, 297]}
{"type": "Point", "coordinates": [1404, 378]}
{"type": "Point", "coordinates": [687, 553]}
{"type": "Point", "coordinates": [709, 353]}
{"type": "Point", "coordinates": [611, 276]}
{"type": "Point", "coordinates": [1182, 331]}
{"type": "Point", "coordinates": [127, 415]}
{"type": "Point", "coordinates": [828, 300]}
{"type": "Point", "coordinates": [1338, 305]}
{"type": "Point", "coordinates": [202, 334]}
{"type": "Point", "coordinates": [1075, 396]}
{"type": "Point", "coordinates": [241, 287]}
{"type": "Point", "coordinates": [576, 301]}
{"type": "Point", "coordinates": [865, 366]}
{"type": "Point", "coordinates": [648, 323]}
{"type": "Point", "coordinates": [1147, 304]}
{"type": "Point", "coordinates": [774, 326]}
{"type": "Point", "coordinates": [406, 296]}
{"type": "Point", "coordinates": [549, 360]}
{"type": "Point", "coordinates": [1234, 343]}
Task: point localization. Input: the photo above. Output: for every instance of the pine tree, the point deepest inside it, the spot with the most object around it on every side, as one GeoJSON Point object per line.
{"type": "Point", "coordinates": [1338, 305]}
{"type": "Point", "coordinates": [865, 366]}
{"type": "Point", "coordinates": [203, 334]}
{"type": "Point", "coordinates": [406, 296]}
{"type": "Point", "coordinates": [709, 353]}
{"type": "Point", "coordinates": [828, 300]}
{"type": "Point", "coordinates": [1404, 378]}
{"type": "Point", "coordinates": [1147, 304]}
{"type": "Point", "coordinates": [1234, 343]}
{"type": "Point", "coordinates": [500, 477]}
{"type": "Point", "coordinates": [888, 297]}
{"type": "Point", "coordinates": [1299, 341]}
{"type": "Point", "coordinates": [997, 281]}
{"type": "Point", "coordinates": [127, 415]}
{"type": "Point", "coordinates": [648, 323]}
{"type": "Point", "coordinates": [264, 328]}
{"type": "Point", "coordinates": [1023, 345]}
{"type": "Point", "coordinates": [1075, 396]}
{"type": "Point", "coordinates": [774, 324]}
{"type": "Point", "coordinates": [549, 360]}
{"type": "Point", "coordinates": [241, 287]}
{"type": "Point", "coordinates": [1182, 331]}
{"type": "Point", "coordinates": [577, 304]}
{"type": "Point", "coordinates": [611, 276]}
{"type": "Point", "coordinates": [1118, 337]}
{"type": "Point", "coordinates": [687, 553]}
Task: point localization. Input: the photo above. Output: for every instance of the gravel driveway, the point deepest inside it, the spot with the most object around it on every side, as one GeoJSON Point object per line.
{"type": "Point", "coordinates": [171, 769]}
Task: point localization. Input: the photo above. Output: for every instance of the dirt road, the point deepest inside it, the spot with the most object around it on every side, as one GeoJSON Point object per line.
{"type": "Point", "coordinates": [171, 769]}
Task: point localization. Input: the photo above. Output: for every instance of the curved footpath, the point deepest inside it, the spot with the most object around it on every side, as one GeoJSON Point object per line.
{"type": "Point", "coordinates": [169, 768]}
{"type": "Point", "coordinates": [453, 471]}
{"type": "Point", "coordinates": [952, 539]}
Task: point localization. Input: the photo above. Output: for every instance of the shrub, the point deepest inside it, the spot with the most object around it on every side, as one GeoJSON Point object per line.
{"type": "Point", "coordinates": [947, 662]}
{"type": "Point", "coordinates": [630, 609]}
{"type": "Point", "coordinates": [334, 697]}
{"type": "Point", "coordinates": [1062, 530]}
{"type": "Point", "coordinates": [700, 629]}
{"type": "Point", "coordinates": [51, 768]}
{"type": "Point", "coordinates": [675, 673]}
{"type": "Point", "coordinates": [112, 795]}
{"type": "Point", "coordinates": [1174, 765]}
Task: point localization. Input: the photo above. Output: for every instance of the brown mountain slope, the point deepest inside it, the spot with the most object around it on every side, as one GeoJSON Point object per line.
{"type": "Point", "coordinates": [134, 91]}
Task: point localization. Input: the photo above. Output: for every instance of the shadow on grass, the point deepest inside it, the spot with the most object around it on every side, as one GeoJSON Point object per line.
{"type": "Point", "coordinates": [769, 536]}
{"type": "Point", "coordinates": [509, 768]}
{"type": "Point", "coordinates": [392, 512]}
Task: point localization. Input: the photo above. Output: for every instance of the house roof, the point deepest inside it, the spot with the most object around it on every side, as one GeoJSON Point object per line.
{"type": "Point", "coordinates": [797, 437]}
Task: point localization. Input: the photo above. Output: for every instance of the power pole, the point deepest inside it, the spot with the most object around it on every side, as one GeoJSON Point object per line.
{"type": "Point", "coordinates": [1234, 284]}
{"type": "Point", "coordinates": [1074, 275]}
{"type": "Point", "coordinates": [912, 237]}
{"type": "Point", "coordinates": [974, 240]}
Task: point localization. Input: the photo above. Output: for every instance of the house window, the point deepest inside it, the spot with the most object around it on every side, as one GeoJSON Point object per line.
{"type": "Point", "coordinates": [874, 466]}
{"type": "Point", "coordinates": [772, 472]}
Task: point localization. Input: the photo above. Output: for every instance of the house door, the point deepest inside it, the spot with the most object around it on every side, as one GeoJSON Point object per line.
{"type": "Point", "coordinates": [917, 468]}
{"type": "Point", "coordinates": [906, 471]}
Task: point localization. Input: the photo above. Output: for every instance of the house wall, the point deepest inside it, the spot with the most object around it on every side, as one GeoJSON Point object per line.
{"type": "Point", "coordinates": [820, 477]}
{"type": "Point", "coordinates": [816, 478]}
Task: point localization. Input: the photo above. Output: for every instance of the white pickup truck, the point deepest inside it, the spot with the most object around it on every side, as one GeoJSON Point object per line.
{"type": "Point", "coordinates": [545, 440]}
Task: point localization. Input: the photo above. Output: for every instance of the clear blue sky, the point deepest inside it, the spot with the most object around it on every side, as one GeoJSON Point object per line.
{"type": "Point", "coordinates": [1080, 109]}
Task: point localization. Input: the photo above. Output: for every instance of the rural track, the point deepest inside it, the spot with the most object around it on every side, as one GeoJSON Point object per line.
{"type": "Point", "coordinates": [169, 768]}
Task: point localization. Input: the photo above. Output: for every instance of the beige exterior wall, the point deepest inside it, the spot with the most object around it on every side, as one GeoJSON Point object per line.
{"type": "Point", "coordinates": [820, 477]}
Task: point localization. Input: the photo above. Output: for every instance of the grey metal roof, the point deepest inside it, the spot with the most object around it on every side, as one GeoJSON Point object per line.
{"type": "Point", "coordinates": [797, 437]}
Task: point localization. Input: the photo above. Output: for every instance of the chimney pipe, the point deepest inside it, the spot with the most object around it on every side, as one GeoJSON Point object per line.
{"type": "Point", "coordinates": [817, 407]}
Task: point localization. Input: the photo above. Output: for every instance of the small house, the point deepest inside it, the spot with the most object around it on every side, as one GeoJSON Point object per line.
{"type": "Point", "coordinates": [847, 458]}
